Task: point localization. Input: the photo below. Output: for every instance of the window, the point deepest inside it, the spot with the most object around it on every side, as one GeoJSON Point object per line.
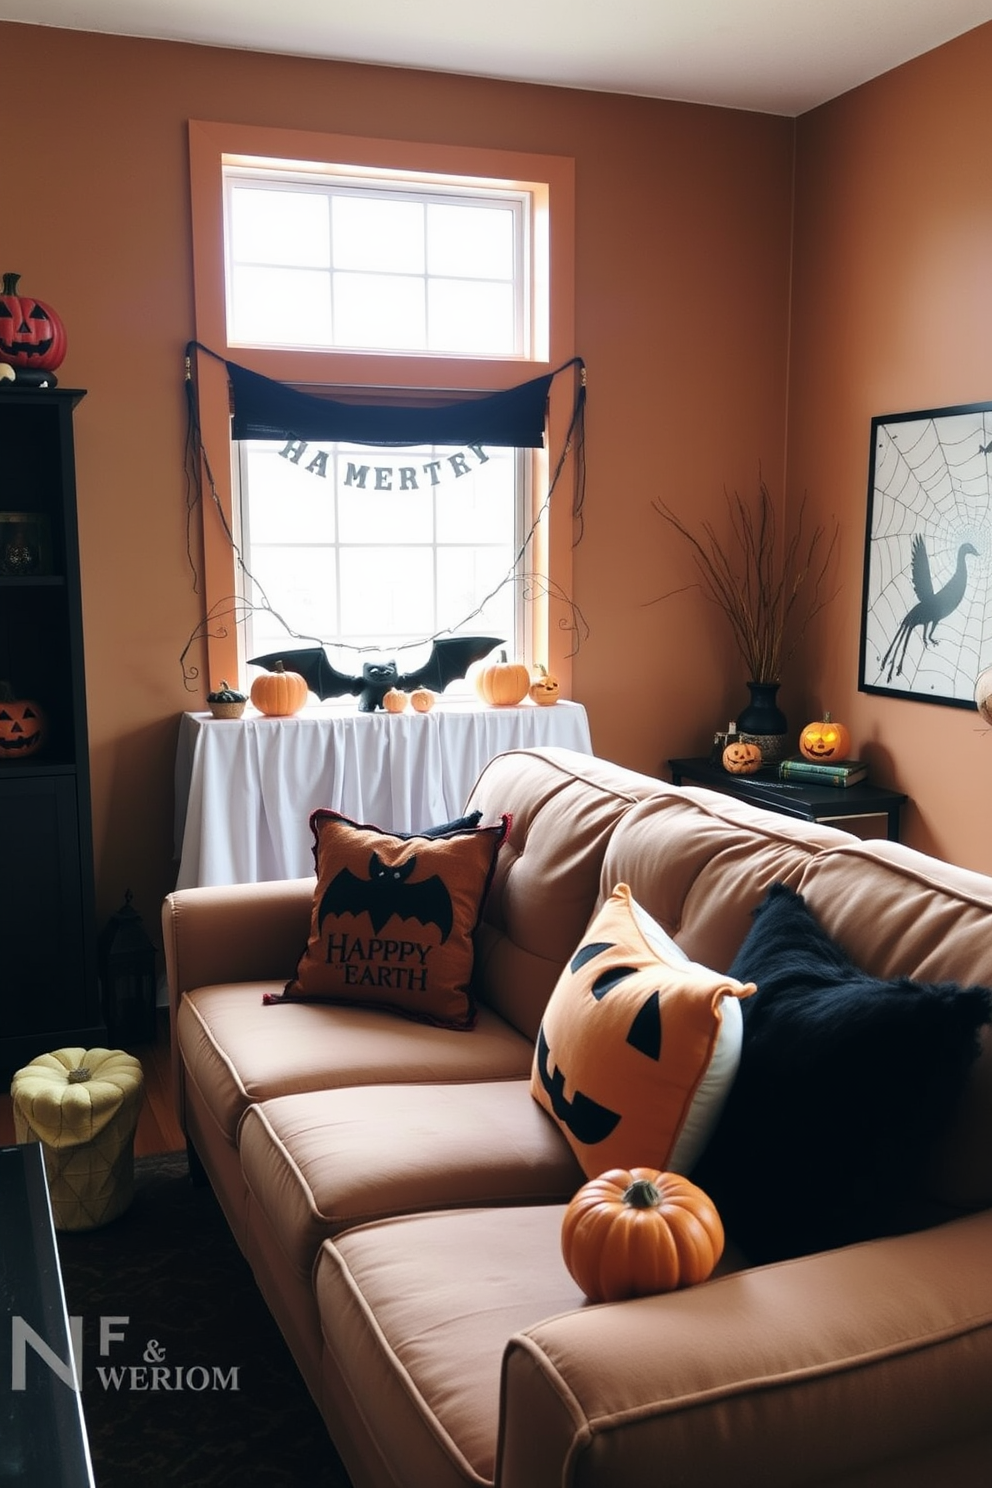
{"type": "Point", "coordinates": [380, 548]}
{"type": "Point", "coordinates": [331, 261]}
{"type": "Point", "coordinates": [367, 269]}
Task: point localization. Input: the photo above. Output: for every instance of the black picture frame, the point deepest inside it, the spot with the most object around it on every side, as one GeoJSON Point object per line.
{"type": "Point", "coordinates": [926, 618]}
{"type": "Point", "coordinates": [25, 545]}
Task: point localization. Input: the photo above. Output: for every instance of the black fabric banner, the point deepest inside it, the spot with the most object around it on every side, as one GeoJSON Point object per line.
{"type": "Point", "coordinates": [264, 409]}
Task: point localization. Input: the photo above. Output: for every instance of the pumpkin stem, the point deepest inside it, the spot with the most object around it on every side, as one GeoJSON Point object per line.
{"type": "Point", "coordinates": [278, 666]}
{"type": "Point", "coordinates": [641, 1194]}
{"type": "Point", "coordinates": [7, 693]}
{"type": "Point", "coordinates": [10, 283]}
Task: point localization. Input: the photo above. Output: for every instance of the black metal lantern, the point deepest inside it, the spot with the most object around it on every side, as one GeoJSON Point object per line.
{"type": "Point", "coordinates": [127, 977]}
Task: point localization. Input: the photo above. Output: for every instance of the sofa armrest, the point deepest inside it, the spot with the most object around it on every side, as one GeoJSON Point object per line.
{"type": "Point", "coordinates": [864, 1365]}
{"type": "Point", "coordinates": [234, 933]}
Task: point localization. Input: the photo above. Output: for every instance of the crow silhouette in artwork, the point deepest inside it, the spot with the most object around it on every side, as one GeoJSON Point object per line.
{"type": "Point", "coordinates": [930, 607]}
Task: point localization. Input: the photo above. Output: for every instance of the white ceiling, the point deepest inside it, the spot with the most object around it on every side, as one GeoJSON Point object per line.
{"type": "Point", "coordinates": [775, 56]}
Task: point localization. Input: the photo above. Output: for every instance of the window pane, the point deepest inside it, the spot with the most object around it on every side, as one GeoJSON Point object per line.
{"type": "Point", "coordinates": [465, 577]}
{"type": "Point", "coordinates": [379, 310]}
{"type": "Point", "coordinates": [479, 507]}
{"type": "Point", "coordinates": [283, 507]}
{"type": "Point", "coordinates": [299, 584]}
{"type": "Point", "coordinates": [370, 233]}
{"type": "Point", "coordinates": [279, 227]}
{"type": "Point", "coordinates": [472, 241]}
{"type": "Point", "coordinates": [469, 316]}
{"type": "Point", "coordinates": [387, 593]}
{"type": "Point", "coordinates": [285, 307]}
{"type": "Point", "coordinates": [372, 515]}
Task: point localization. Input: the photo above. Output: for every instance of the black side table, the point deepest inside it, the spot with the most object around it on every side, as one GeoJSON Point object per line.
{"type": "Point", "coordinates": [806, 800]}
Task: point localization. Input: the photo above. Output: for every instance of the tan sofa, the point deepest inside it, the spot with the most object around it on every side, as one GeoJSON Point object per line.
{"type": "Point", "coordinates": [399, 1193]}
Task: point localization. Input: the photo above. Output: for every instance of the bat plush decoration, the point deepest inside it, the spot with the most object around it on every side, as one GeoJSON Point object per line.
{"type": "Point", "coordinates": [450, 658]}
{"type": "Point", "coordinates": [385, 893]}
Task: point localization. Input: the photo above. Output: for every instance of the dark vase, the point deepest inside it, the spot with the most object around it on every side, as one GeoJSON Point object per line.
{"type": "Point", "coordinates": [763, 722]}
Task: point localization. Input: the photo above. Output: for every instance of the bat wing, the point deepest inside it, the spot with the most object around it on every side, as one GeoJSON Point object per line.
{"type": "Point", "coordinates": [315, 669]}
{"type": "Point", "coordinates": [345, 894]}
{"type": "Point", "coordinates": [429, 902]}
{"type": "Point", "coordinates": [450, 658]}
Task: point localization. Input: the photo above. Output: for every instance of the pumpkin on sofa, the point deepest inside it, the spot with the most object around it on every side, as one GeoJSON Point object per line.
{"type": "Point", "coordinates": [825, 740]}
{"type": "Point", "coordinates": [633, 1232]}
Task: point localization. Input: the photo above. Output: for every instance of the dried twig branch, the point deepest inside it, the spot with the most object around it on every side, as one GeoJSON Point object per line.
{"type": "Point", "coordinates": [768, 605]}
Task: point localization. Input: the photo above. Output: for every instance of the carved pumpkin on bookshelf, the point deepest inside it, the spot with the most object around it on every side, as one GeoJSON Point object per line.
{"type": "Point", "coordinates": [31, 334]}
{"type": "Point", "coordinates": [23, 726]}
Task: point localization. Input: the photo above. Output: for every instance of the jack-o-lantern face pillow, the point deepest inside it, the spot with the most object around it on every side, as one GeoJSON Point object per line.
{"type": "Point", "coordinates": [626, 1042]}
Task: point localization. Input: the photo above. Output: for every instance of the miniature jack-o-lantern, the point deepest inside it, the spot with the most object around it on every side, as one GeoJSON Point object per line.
{"type": "Point", "coordinates": [31, 334]}
{"type": "Point", "coordinates": [394, 701]}
{"type": "Point", "coordinates": [23, 727]}
{"type": "Point", "coordinates": [422, 699]}
{"type": "Point", "coordinates": [741, 759]}
{"type": "Point", "coordinates": [544, 689]}
{"type": "Point", "coordinates": [825, 740]}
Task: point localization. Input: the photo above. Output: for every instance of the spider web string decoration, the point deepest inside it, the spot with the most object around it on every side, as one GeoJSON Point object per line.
{"type": "Point", "coordinates": [927, 608]}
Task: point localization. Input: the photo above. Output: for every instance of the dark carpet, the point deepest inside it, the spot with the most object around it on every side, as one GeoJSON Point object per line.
{"type": "Point", "coordinates": [196, 1386]}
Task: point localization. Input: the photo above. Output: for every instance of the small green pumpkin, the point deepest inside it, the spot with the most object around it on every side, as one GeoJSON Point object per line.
{"type": "Point", "coordinates": [226, 694]}
{"type": "Point", "coordinates": [226, 702]}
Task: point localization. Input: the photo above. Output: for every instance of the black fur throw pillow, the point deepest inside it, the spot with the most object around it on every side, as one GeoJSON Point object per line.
{"type": "Point", "coordinates": [845, 1083]}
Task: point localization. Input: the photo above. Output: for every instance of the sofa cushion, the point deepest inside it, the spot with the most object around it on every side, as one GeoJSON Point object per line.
{"type": "Point", "coordinates": [626, 1042]}
{"type": "Point", "coordinates": [847, 1081]}
{"type": "Point", "coordinates": [421, 1309]}
{"type": "Point", "coordinates": [236, 1051]}
{"type": "Point", "coordinates": [393, 918]}
{"type": "Point", "coordinates": [317, 1164]}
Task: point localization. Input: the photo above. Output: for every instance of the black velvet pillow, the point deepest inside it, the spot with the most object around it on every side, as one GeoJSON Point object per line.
{"type": "Point", "coordinates": [845, 1083]}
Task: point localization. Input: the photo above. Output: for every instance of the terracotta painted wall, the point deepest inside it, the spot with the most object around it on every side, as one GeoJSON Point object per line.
{"type": "Point", "coordinates": [892, 312]}
{"type": "Point", "coordinates": [683, 221]}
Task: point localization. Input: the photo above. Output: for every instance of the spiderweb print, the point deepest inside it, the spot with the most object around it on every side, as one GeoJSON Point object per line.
{"type": "Point", "coordinates": [928, 581]}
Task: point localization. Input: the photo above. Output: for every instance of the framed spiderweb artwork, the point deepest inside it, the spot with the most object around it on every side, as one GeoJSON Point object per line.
{"type": "Point", "coordinates": [926, 629]}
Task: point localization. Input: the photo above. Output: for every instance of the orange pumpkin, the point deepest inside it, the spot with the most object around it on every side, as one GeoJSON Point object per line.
{"type": "Point", "coordinates": [544, 689]}
{"type": "Point", "coordinates": [825, 740]}
{"type": "Point", "coordinates": [502, 683]}
{"type": "Point", "coordinates": [422, 699]}
{"type": "Point", "coordinates": [23, 726]}
{"type": "Point", "coordinates": [279, 693]}
{"type": "Point", "coordinates": [633, 1232]}
{"type": "Point", "coordinates": [741, 759]}
{"type": "Point", "coordinates": [394, 701]}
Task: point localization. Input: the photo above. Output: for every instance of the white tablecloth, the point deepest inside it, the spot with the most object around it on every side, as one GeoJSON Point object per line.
{"type": "Point", "coordinates": [245, 787]}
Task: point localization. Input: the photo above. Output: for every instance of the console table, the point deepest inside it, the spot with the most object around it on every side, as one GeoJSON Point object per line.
{"type": "Point", "coordinates": [42, 1433]}
{"type": "Point", "coordinates": [245, 787]}
{"type": "Point", "coordinates": [810, 802]}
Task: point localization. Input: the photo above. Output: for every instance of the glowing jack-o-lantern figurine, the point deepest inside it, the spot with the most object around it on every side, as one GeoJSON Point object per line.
{"type": "Point", "coordinates": [825, 740]}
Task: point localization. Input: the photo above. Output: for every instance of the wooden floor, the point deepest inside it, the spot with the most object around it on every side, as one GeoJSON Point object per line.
{"type": "Point", "coordinates": [158, 1128]}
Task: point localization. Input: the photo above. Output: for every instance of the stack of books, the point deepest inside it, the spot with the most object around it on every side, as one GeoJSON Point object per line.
{"type": "Point", "coordinates": [826, 772]}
